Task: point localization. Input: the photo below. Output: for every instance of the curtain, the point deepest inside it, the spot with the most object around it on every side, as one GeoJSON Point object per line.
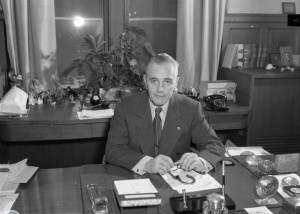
{"type": "Point", "coordinates": [199, 37]}
{"type": "Point", "coordinates": [31, 38]}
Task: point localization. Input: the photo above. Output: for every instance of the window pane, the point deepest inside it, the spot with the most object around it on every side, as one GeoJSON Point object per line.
{"type": "Point", "coordinates": [159, 20]}
{"type": "Point", "coordinates": [70, 34]}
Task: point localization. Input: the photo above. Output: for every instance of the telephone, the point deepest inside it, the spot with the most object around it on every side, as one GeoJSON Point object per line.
{"type": "Point", "coordinates": [216, 102]}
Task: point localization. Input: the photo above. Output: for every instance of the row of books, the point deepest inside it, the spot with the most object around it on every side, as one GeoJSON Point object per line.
{"type": "Point", "coordinates": [245, 56]}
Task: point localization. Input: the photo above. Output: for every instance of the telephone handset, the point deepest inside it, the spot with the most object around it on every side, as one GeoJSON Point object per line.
{"type": "Point", "coordinates": [216, 102]}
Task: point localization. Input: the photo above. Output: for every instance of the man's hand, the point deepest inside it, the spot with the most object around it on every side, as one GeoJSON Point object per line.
{"type": "Point", "coordinates": [190, 161]}
{"type": "Point", "coordinates": [160, 164]}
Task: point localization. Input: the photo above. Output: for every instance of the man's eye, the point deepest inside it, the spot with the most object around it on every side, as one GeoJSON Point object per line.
{"type": "Point", "coordinates": [169, 82]}
{"type": "Point", "coordinates": [153, 81]}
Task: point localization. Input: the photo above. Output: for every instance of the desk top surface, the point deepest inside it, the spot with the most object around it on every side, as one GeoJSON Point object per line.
{"type": "Point", "coordinates": [61, 190]}
{"type": "Point", "coordinates": [66, 114]}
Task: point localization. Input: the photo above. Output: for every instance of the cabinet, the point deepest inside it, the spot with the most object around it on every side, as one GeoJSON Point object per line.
{"type": "Point", "coordinates": [274, 100]}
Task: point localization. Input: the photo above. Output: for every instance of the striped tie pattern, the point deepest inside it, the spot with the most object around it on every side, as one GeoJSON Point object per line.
{"type": "Point", "coordinates": [157, 125]}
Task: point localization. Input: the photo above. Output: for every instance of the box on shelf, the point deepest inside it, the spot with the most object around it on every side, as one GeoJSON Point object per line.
{"type": "Point", "coordinates": [224, 87]}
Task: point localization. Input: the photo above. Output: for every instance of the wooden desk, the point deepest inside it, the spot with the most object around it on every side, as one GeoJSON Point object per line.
{"type": "Point", "coordinates": [49, 132]}
{"type": "Point", "coordinates": [59, 191]}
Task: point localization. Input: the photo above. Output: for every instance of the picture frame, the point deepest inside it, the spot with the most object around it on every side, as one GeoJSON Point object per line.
{"type": "Point", "coordinates": [288, 7]}
{"type": "Point", "coordinates": [286, 55]}
{"type": "Point", "coordinates": [275, 59]}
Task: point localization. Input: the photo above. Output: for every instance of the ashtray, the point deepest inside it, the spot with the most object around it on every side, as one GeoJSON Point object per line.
{"type": "Point", "coordinates": [289, 181]}
{"type": "Point", "coordinates": [266, 166]}
{"type": "Point", "coordinates": [253, 160]}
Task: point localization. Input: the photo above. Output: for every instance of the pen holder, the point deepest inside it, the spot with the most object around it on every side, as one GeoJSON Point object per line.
{"type": "Point", "coordinates": [99, 202]}
{"type": "Point", "coordinates": [194, 204]}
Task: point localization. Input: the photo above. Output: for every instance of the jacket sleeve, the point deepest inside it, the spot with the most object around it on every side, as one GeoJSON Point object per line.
{"type": "Point", "coordinates": [205, 140]}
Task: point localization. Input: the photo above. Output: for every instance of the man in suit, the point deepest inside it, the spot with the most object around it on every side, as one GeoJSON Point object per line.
{"type": "Point", "coordinates": [133, 141]}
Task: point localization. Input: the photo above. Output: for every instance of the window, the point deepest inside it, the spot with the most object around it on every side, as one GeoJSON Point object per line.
{"type": "Point", "coordinates": [107, 17]}
{"type": "Point", "coordinates": [75, 19]}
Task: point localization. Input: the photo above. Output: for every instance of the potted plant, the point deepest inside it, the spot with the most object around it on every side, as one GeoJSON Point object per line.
{"type": "Point", "coordinates": [119, 70]}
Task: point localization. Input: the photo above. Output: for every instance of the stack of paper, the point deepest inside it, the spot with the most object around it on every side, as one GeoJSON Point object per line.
{"type": "Point", "coordinates": [94, 114]}
{"type": "Point", "coordinates": [136, 192]}
{"type": "Point", "coordinates": [11, 175]}
{"type": "Point", "coordinates": [235, 151]}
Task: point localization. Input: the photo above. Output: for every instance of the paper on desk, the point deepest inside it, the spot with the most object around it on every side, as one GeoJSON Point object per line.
{"type": "Point", "coordinates": [256, 210]}
{"type": "Point", "coordinates": [14, 169]}
{"type": "Point", "coordinates": [9, 188]}
{"type": "Point", "coordinates": [6, 202]}
{"type": "Point", "coordinates": [279, 178]}
{"type": "Point", "coordinates": [25, 175]}
{"type": "Point", "coordinates": [203, 182]}
{"type": "Point", "coordinates": [3, 179]}
{"type": "Point", "coordinates": [135, 186]}
{"type": "Point", "coordinates": [235, 150]}
{"type": "Point", "coordinates": [92, 114]}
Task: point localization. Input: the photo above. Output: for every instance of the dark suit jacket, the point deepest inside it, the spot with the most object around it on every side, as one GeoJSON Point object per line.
{"type": "Point", "coordinates": [131, 135]}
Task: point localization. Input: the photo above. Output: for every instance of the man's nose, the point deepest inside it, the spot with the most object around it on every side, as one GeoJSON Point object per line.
{"type": "Point", "coordinates": [160, 87]}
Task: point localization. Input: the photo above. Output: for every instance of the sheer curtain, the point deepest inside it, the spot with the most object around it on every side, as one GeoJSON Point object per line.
{"type": "Point", "coordinates": [199, 37]}
{"type": "Point", "coordinates": [31, 38]}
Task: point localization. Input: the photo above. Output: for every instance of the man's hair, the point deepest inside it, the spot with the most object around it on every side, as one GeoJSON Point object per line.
{"type": "Point", "coordinates": [164, 58]}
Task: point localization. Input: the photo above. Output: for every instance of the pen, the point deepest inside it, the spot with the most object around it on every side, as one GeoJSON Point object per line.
{"type": "Point", "coordinates": [184, 199]}
{"type": "Point", "coordinates": [223, 178]}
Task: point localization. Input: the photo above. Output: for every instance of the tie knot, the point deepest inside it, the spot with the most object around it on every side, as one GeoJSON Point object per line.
{"type": "Point", "coordinates": [158, 110]}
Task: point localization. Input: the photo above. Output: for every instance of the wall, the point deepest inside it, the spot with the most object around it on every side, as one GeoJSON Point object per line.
{"type": "Point", "coordinates": [258, 6]}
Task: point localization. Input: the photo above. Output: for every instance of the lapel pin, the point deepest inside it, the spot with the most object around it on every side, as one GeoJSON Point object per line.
{"type": "Point", "coordinates": [178, 128]}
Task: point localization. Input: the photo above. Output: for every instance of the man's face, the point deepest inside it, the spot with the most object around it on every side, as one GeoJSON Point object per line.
{"type": "Point", "coordinates": [161, 81]}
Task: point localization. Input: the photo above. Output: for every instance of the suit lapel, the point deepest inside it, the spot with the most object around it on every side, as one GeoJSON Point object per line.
{"type": "Point", "coordinates": [144, 126]}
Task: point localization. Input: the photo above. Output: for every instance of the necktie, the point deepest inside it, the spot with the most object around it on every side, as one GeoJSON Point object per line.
{"type": "Point", "coordinates": [157, 125]}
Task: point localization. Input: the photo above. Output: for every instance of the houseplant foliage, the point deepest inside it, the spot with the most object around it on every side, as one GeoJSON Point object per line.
{"type": "Point", "coordinates": [120, 67]}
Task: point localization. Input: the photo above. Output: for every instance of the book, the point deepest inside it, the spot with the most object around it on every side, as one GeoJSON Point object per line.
{"type": "Point", "coordinates": [229, 56]}
{"type": "Point", "coordinates": [259, 50]}
{"type": "Point", "coordinates": [240, 55]}
{"type": "Point", "coordinates": [263, 59]}
{"type": "Point", "coordinates": [136, 192]}
{"type": "Point", "coordinates": [247, 55]}
{"type": "Point", "coordinates": [254, 49]}
{"type": "Point", "coordinates": [224, 87]}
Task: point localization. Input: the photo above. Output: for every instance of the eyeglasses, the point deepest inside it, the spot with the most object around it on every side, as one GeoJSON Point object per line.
{"type": "Point", "coordinates": [182, 175]}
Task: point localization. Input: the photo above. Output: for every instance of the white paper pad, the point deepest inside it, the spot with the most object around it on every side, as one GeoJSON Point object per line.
{"type": "Point", "coordinates": [255, 210]}
{"type": "Point", "coordinates": [94, 114]}
{"type": "Point", "coordinates": [235, 151]}
{"type": "Point", "coordinates": [279, 178]}
{"type": "Point", "coordinates": [6, 202]}
{"type": "Point", "coordinates": [9, 188]}
{"type": "Point", "coordinates": [203, 182]}
{"type": "Point", "coordinates": [3, 179]}
{"type": "Point", "coordinates": [25, 175]}
{"type": "Point", "coordinates": [14, 169]}
{"type": "Point", "coordinates": [135, 186]}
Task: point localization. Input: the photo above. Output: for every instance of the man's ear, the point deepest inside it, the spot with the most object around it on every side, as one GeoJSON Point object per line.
{"type": "Point", "coordinates": [145, 80]}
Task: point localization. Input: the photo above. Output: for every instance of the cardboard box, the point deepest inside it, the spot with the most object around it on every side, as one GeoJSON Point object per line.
{"type": "Point", "coordinates": [224, 87]}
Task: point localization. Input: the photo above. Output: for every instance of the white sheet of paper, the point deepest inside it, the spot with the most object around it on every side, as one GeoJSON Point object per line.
{"type": "Point", "coordinates": [235, 150]}
{"type": "Point", "coordinates": [279, 178]}
{"type": "Point", "coordinates": [203, 182]}
{"type": "Point", "coordinates": [9, 188]}
{"type": "Point", "coordinates": [14, 169]}
{"type": "Point", "coordinates": [135, 186]}
{"type": "Point", "coordinates": [6, 202]}
{"type": "Point", "coordinates": [258, 210]}
{"type": "Point", "coordinates": [25, 175]}
{"type": "Point", "coordinates": [94, 114]}
{"type": "Point", "coordinates": [3, 179]}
